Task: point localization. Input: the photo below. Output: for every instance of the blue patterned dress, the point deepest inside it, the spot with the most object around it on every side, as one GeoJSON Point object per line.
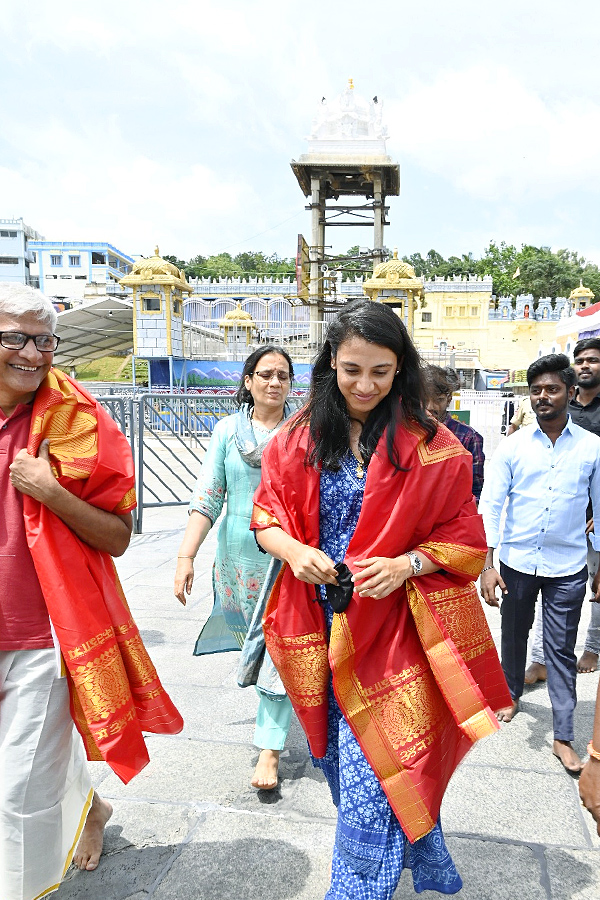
{"type": "Point", "coordinates": [370, 847]}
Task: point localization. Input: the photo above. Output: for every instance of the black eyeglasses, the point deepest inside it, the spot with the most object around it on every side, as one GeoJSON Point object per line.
{"type": "Point", "coordinates": [16, 340]}
{"type": "Point", "coordinates": [269, 374]}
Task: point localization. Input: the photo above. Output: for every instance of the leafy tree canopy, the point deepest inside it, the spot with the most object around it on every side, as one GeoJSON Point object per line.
{"type": "Point", "coordinates": [244, 265]}
{"type": "Point", "coordinates": [539, 271]}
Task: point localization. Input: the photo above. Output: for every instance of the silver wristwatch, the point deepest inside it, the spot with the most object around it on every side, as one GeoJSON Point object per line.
{"type": "Point", "coordinates": [415, 562]}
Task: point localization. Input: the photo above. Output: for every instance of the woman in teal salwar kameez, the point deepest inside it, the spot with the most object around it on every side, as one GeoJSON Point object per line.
{"type": "Point", "coordinates": [231, 472]}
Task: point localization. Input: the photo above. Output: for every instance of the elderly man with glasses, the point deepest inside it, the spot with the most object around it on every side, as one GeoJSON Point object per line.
{"type": "Point", "coordinates": [70, 654]}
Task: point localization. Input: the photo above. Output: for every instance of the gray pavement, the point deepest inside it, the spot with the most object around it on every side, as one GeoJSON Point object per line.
{"type": "Point", "coordinates": [190, 827]}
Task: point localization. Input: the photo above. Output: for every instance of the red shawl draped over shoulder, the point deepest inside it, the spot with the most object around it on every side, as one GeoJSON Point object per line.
{"type": "Point", "coordinates": [416, 674]}
{"type": "Point", "coordinates": [115, 691]}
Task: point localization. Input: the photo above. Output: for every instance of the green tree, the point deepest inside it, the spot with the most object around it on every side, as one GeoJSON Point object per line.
{"type": "Point", "coordinates": [590, 275]}
{"type": "Point", "coordinates": [195, 268]}
{"type": "Point", "coordinates": [426, 267]}
{"type": "Point", "coordinates": [501, 261]}
{"type": "Point", "coordinates": [176, 262]}
{"type": "Point", "coordinates": [545, 273]}
{"type": "Point", "coordinates": [222, 266]}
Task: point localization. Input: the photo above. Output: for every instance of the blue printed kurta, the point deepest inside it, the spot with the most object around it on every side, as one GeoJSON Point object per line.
{"type": "Point", "coordinates": [370, 847]}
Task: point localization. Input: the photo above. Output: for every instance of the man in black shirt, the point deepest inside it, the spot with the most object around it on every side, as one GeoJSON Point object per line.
{"type": "Point", "coordinates": [584, 409]}
{"type": "Point", "coordinates": [585, 405]}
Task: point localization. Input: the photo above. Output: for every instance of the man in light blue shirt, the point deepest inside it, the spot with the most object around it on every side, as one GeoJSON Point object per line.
{"type": "Point", "coordinates": [544, 474]}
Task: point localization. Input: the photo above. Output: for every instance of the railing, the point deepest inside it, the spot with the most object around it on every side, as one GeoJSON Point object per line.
{"type": "Point", "coordinates": [168, 435]}
{"type": "Point", "coordinates": [490, 414]}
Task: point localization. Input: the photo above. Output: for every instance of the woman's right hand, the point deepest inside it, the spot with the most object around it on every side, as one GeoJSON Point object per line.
{"type": "Point", "coordinates": [184, 578]}
{"type": "Point", "coordinates": [311, 565]}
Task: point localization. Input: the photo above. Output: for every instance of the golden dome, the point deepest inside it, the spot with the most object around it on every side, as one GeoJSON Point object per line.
{"type": "Point", "coordinates": [156, 265]}
{"type": "Point", "coordinates": [156, 270]}
{"type": "Point", "coordinates": [394, 269]}
{"type": "Point", "coordinates": [581, 292]}
{"type": "Point", "coordinates": [237, 317]}
{"type": "Point", "coordinates": [391, 277]}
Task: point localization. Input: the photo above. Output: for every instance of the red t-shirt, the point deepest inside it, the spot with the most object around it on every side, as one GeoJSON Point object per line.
{"type": "Point", "coordinates": [24, 622]}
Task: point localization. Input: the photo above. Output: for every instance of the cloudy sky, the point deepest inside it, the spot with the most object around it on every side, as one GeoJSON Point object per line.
{"type": "Point", "coordinates": [174, 123]}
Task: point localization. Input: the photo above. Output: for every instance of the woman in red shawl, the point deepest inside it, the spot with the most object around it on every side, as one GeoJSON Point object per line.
{"type": "Point", "coordinates": [387, 659]}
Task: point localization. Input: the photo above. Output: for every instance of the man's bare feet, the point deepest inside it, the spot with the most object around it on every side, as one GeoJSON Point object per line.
{"type": "Point", "coordinates": [565, 753]}
{"type": "Point", "coordinates": [535, 672]}
{"type": "Point", "coordinates": [266, 771]}
{"type": "Point", "coordinates": [507, 712]}
{"type": "Point", "coordinates": [89, 848]}
{"type": "Point", "coordinates": [587, 662]}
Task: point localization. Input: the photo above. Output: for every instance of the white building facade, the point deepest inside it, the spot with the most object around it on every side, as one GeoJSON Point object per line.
{"type": "Point", "coordinates": [17, 258]}
{"type": "Point", "coordinates": [64, 268]}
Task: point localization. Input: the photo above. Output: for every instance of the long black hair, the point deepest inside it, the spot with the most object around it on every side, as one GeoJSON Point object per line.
{"type": "Point", "coordinates": [243, 395]}
{"type": "Point", "coordinates": [326, 413]}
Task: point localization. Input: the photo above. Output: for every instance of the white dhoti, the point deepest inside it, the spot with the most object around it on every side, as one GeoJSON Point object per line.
{"type": "Point", "coordinates": [45, 787]}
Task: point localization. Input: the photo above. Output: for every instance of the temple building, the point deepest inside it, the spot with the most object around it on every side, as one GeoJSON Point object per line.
{"type": "Point", "coordinates": [582, 321]}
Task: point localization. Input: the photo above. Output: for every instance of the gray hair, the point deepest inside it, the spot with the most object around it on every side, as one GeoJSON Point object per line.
{"type": "Point", "coordinates": [18, 300]}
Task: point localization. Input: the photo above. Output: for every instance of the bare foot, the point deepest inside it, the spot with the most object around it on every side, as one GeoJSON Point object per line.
{"type": "Point", "coordinates": [266, 771]}
{"type": "Point", "coordinates": [89, 848]}
{"type": "Point", "coordinates": [507, 712]}
{"type": "Point", "coordinates": [536, 672]}
{"type": "Point", "coordinates": [587, 662]}
{"type": "Point", "coordinates": [565, 753]}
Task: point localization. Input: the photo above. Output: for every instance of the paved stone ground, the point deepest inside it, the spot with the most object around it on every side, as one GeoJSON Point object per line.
{"type": "Point", "coordinates": [190, 827]}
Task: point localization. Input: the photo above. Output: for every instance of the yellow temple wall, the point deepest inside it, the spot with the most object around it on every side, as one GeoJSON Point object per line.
{"type": "Point", "coordinates": [461, 320]}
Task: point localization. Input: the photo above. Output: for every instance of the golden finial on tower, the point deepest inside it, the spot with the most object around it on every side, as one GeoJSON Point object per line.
{"type": "Point", "coordinates": [156, 253]}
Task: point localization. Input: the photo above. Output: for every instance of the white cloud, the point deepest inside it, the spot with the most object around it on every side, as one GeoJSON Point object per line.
{"type": "Point", "coordinates": [497, 139]}
{"type": "Point", "coordinates": [139, 122]}
{"type": "Point", "coordinates": [121, 195]}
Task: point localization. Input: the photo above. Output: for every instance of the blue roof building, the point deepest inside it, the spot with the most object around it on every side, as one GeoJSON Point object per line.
{"type": "Point", "coordinates": [65, 267]}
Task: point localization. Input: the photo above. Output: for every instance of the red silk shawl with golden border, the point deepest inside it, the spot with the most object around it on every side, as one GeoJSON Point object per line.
{"type": "Point", "coordinates": [416, 674]}
{"type": "Point", "coordinates": [115, 691]}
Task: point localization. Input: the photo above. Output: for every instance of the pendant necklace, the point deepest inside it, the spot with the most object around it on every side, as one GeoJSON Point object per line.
{"type": "Point", "coordinates": [360, 466]}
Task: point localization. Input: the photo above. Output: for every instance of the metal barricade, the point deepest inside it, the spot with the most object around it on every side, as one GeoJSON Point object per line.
{"type": "Point", "coordinates": [168, 435]}
{"type": "Point", "coordinates": [488, 415]}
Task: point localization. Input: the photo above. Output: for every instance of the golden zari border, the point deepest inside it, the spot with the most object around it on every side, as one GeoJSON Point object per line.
{"type": "Point", "coordinates": [140, 668]}
{"type": "Point", "coordinates": [102, 686]}
{"type": "Point", "coordinates": [263, 519]}
{"type": "Point", "coordinates": [99, 639]}
{"type": "Point", "coordinates": [303, 665]}
{"type": "Point", "coordinates": [460, 691]}
{"type": "Point", "coordinates": [73, 435]}
{"type": "Point", "coordinates": [442, 446]}
{"type": "Point", "coordinates": [369, 727]}
{"type": "Point", "coordinates": [128, 502]}
{"type": "Point", "coordinates": [457, 557]}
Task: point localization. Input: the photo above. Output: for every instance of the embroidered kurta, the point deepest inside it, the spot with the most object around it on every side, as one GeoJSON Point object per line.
{"type": "Point", "coordinates": [240, 568]}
